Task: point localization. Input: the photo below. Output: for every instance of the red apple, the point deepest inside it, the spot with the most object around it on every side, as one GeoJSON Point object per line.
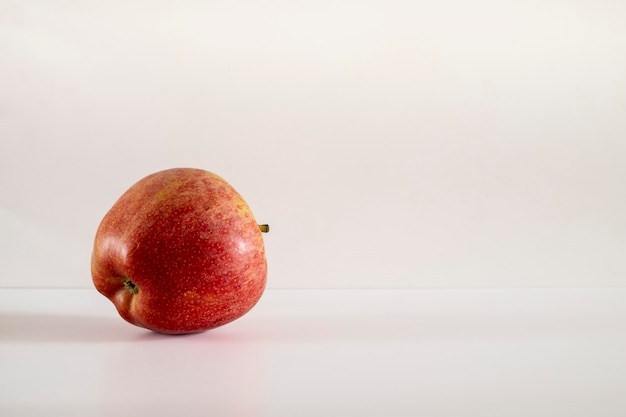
{"type": "Point", "coordinates": [180, 252]}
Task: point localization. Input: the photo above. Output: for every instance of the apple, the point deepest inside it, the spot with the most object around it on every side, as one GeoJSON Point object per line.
{"type": "Point", "coordinates": [180, 252]}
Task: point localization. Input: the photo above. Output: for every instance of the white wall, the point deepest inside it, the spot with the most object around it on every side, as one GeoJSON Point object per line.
{"type": "Point", "coordinates": [389, 144]}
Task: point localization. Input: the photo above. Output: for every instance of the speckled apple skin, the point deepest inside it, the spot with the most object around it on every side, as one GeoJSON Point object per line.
{"type": "Point", "coordinates": [190, 244]}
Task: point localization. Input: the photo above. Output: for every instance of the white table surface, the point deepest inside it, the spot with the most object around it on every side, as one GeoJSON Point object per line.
{"type": "Point", "coordinates": [532, 352]}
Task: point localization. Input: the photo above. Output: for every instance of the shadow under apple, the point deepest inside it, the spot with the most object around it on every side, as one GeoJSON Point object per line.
{"type": "Point", "coordinates": [45, 328]}
{"type": "Point", "coordinates": [56, 328]}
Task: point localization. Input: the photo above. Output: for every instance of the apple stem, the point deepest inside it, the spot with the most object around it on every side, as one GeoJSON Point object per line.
{"type": "Point", "coordinates": [265, 228]}
{"type": "Point", "coordinates": [131, 287]}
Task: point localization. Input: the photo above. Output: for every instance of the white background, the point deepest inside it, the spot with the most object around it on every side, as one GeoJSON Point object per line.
{"type": "Point", "coordinates": [420, 144]}
{"type": "Point", "coordinates": [387, 143]}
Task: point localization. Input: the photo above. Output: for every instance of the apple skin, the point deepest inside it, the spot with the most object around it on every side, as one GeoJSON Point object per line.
{"type": "Point", "coordinates": [180, 252]}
